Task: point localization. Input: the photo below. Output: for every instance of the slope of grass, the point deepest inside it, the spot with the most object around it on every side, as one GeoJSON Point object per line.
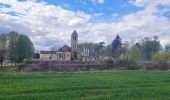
{"type": "Point", "coordinates": [125, 85]}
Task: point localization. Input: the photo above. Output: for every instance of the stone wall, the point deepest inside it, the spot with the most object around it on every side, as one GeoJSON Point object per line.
{"type": "Point", "coordinates": [45, 66]}
{"type": "Point", "coordinates": [34, 66]}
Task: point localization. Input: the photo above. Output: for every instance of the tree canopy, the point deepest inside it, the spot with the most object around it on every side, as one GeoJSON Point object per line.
{"type": "Point", "coordinates": [149, 47]}
{"type": "Point", "coordinates": [17, 47]}
{"type": "Point", "coordinates": [24, 48]}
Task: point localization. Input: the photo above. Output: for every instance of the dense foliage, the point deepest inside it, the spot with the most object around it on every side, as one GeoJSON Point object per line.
{"type": "Point", "coordinates": [17, 47]}
{"type": "Point", "coordinates": [24, 48]}
{"type": "Point", "coordinates": [149, 47]}
{"type": "Point", "coordinates": [163, 58]}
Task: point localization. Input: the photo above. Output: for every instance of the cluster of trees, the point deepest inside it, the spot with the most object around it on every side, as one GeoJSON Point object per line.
{"type": "Point", "coordinates": [143, 50]}
{"type": "Point", "coordinates": [15, 47]}
{"type": "Point", "coordinates": [147, 49]}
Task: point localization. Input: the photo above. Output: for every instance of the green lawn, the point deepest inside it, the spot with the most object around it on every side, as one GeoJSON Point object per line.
{"type": "Point", "coordinates": [121, 85]}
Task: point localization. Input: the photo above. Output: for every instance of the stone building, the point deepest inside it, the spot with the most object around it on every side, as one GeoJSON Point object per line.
{"type": "Point", "coordinates": [65, 53]}
{"type": "Point", "coordinates": [77, 52]}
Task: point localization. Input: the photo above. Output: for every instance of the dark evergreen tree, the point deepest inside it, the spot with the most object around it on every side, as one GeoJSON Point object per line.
{"type": "Point", "coordinates": [116, 47]}
{"type": "Point", "coordinates": [36, 56]}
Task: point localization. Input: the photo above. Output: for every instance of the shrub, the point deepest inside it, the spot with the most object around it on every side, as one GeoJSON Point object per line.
{"type": "Point", "coordinates": [162, 58]}
{"type": "Point", "coordinates": [130, 64]}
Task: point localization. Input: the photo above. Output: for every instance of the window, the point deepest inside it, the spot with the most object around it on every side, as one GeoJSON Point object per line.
{"type": "Point", "coordinates": [60, 55]}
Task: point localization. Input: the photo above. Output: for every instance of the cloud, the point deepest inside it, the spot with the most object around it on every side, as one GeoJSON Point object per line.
{"type": "Point", "coordinates": [142, 3]}
{"type": "Point", "coordinates": [132, 27]}
{"type": "Point", "coordinates": [38, 18]}
{"type": "Point", "coordinates": [50, 25]}
{"type": "Point", "coordinates": [98, 1]}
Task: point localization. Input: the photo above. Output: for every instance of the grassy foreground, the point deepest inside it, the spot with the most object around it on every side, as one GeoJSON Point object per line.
{"type": "Point", "coordinates": [125, 85]}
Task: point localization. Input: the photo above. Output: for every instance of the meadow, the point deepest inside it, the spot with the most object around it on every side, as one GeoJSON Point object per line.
{"type": "Point", "coordinates": [104, 85]}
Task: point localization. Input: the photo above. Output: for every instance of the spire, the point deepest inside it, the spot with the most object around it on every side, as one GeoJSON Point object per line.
{"type": "Point", "coordinates": [74, 32]}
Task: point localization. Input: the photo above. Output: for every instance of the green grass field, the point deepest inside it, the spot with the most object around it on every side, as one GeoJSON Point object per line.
{"type": "Point", "coordinates": [121, 85]}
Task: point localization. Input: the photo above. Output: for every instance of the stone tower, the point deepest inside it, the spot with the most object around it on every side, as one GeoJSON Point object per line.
{"type": "Point", "coordinates": [74, 45]}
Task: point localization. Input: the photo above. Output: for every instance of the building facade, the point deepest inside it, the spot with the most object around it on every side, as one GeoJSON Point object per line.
{"type": "Point", "coordinates": [65, 53]}
{"type": "Point", "coordinates": [77, 52]}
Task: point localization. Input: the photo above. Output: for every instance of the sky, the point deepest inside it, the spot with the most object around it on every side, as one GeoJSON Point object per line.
{"type": "Point", "coordinates": [49, 23]}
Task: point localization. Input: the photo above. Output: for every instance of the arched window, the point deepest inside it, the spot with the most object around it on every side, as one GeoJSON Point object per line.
{"type": "Point", "coordinates": [74, 37]}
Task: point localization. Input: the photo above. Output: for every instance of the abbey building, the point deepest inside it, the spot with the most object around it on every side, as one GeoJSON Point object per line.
{"type": "Point", "coordinates": [77, 51]}
{"type": "Point", "coordinates": [65, 53]}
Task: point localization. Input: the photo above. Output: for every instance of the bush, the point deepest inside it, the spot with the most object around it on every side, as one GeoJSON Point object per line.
{"type": "Point", "coordinates": [132, 65]}
{"type": "Point", "coordinates": [129, 64]}
{"type": "Point", "coordinates": [107, 62]}
{"type": "Point", "coordinates": [162, 58]}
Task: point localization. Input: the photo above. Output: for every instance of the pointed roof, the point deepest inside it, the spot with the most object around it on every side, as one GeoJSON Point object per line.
{"type": "Point", "coordinates": [75, 32]}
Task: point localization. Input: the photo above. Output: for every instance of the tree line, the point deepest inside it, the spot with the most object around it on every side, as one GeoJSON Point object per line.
{"type": "Point", "coordinates": [15, 47]}
{"type": "Point", "coordinates": [142, 50]}
{"type": "Point", "coordinates": [147, 49]}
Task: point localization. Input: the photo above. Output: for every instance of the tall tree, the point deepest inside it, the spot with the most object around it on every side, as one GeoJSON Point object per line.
{"type": "Point", "coordinates": [3, 47]}
{"type": "Point", "coordinates": [134, 53]}
{"type": "Point", "coordinates": [2, 56]}
{"type": "Point", "coordinates": [12, 52]}
{"type": "Point", "coordinates": [3, 41]}
{"type": "Point", "coordinates": [167, 48]}
{"type": "Point", "coordinates": [98, 47]}
{"type": "Point", "coordinates": [149, 47]}
{"type": "Point", "coordinates": [116, 47]}
{"type": "Point", "coordinates": [24, 48]}
{"type": "Point", "coordinates": [109, 50]}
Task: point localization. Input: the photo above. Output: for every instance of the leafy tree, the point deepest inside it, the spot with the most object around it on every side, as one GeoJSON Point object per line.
{"type": "Point", "coordinates": [109, 50]}
{"type": "Point", "coordinates": [12, 52]}
{"type": "Point", "coordinates": [36, 56]}
{"type": "Point", "coordinates": [3, 47]}
{"type": "Point", "coordinates": [17, 47]}
{"type": "Point", "coordinates": [134, 53]}
{"type": "Point", "coordinates": [161, 57]}
{"type": "Point", "coordinates": [167, 48]}
{"type": "Point", "coordinates": [24, 48]}
{"type": "Point", "coordinates": [98, 47]}
{"type": "Point", "coordinates": [149, 47]}
{"type": "Point", "coordinates": [116, 47]}
{"type": "Point", "coordinates": [2, 56]}
{"type": "Point", "coordinates": [3, 41]}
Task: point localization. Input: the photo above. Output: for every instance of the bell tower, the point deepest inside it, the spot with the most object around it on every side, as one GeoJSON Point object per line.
{"type": "Point", "coordinates": [74, 45]}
